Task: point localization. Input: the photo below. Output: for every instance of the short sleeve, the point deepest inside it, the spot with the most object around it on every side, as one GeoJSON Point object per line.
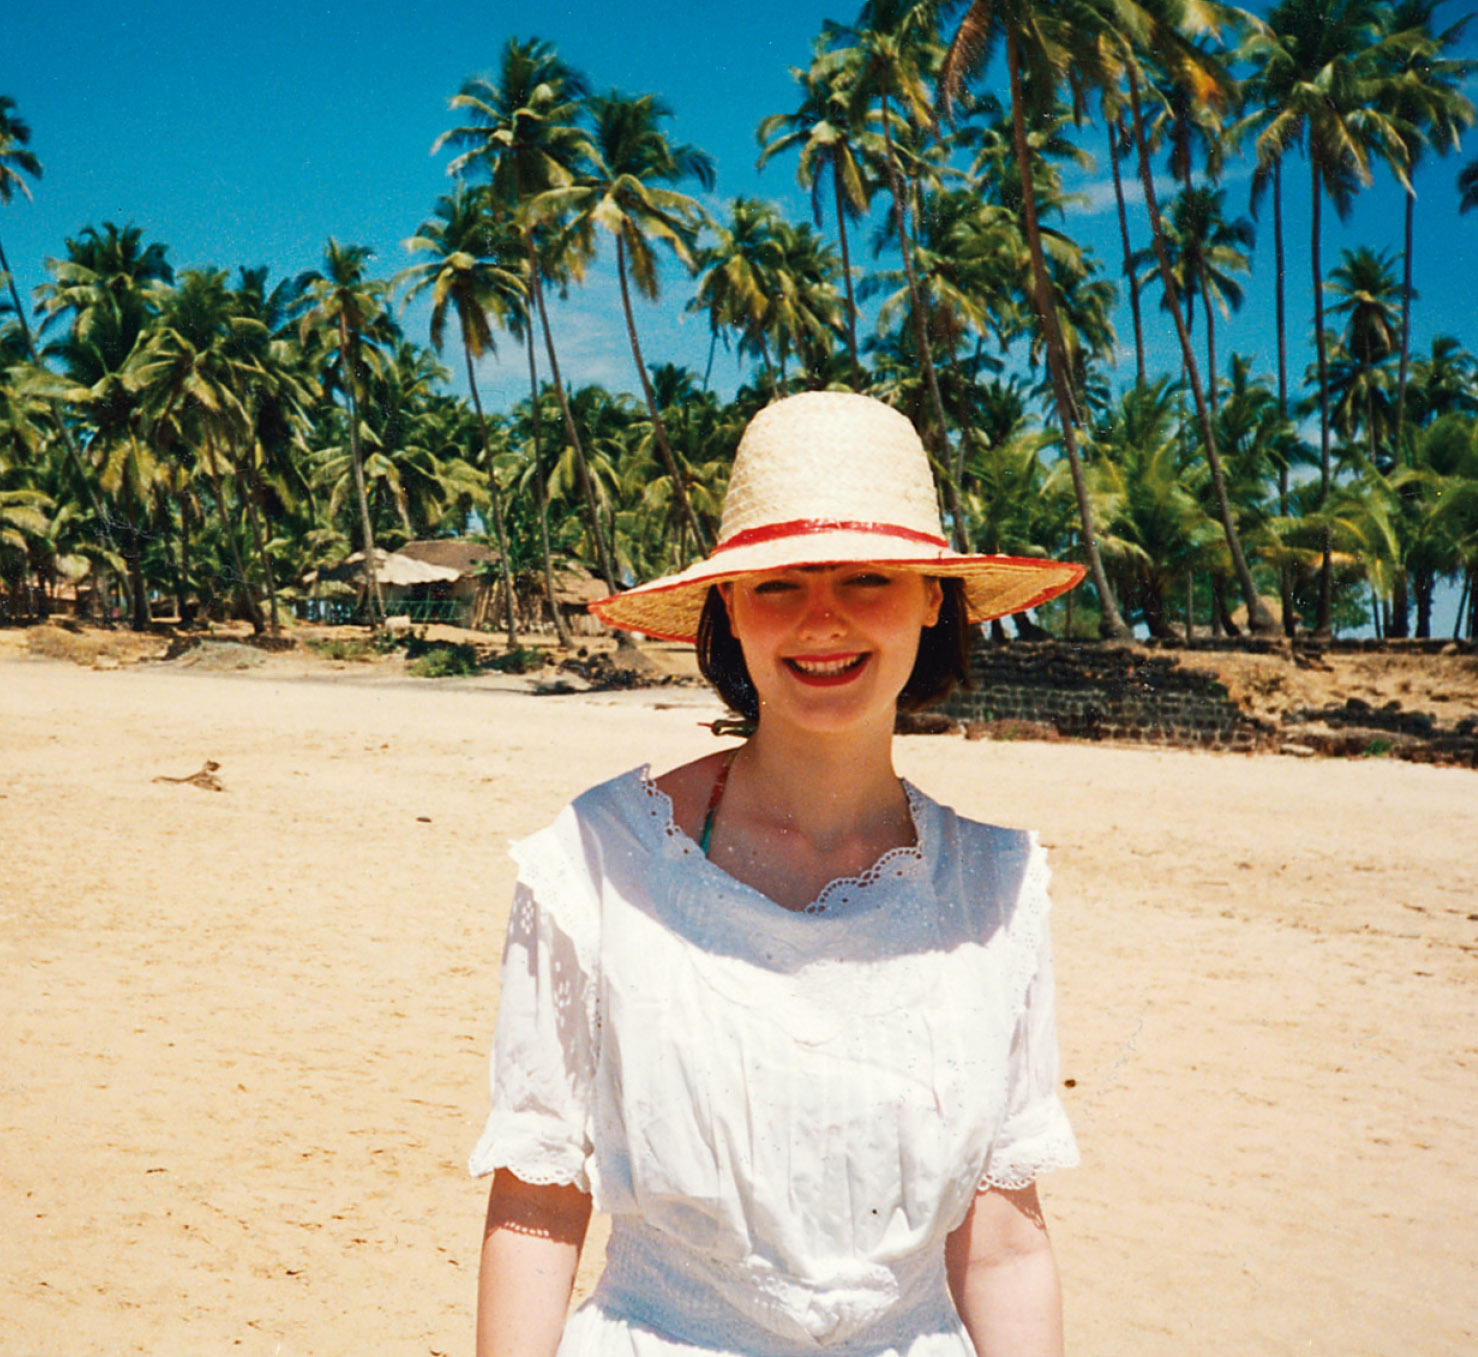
{"type": "Point", "coordinates": [1035, 1135]}
{"type": "Point", "coordinates": [544, 1048]}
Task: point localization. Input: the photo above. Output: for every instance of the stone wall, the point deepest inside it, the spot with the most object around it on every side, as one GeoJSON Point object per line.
{"type": "Point", "coordinates": [1103, 692]}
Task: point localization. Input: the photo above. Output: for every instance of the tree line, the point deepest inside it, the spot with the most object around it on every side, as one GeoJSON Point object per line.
{"type": "Point", "coordinates": [206, 439]}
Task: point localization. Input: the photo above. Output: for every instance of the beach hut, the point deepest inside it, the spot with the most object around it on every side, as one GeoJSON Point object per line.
{"type": "Point", "coordinates": [474, 596]}
{"type": "Point", "coordinates": [407, 586]}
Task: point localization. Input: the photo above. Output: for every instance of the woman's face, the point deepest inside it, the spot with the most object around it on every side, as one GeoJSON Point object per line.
{"type": "Point", "coordinates": [828, 646]}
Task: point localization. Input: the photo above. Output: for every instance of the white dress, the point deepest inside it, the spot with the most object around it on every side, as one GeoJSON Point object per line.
{"type": "Point", "coordinates": [785, 1113]}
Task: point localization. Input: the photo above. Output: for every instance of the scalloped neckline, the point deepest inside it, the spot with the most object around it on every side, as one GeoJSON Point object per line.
{"type": "Point", "coordinates": [676, 839]}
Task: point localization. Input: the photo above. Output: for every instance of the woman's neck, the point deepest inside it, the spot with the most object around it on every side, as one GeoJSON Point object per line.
{"type": "Point", "coordinates": [822, 786]}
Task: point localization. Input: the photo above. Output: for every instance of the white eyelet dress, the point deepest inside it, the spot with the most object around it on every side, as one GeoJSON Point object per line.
{"type": "Point", "coordinates": [785, 1113]}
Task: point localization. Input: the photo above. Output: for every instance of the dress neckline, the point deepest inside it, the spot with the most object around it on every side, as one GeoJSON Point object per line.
{"type": "Point", "coordinates": [903, 861]}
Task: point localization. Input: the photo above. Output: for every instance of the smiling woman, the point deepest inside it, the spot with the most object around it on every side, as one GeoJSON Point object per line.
{"type": "Point", "coordinates": [785, 1018]}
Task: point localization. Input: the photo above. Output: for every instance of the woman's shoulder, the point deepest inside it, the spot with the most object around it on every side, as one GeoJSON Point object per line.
{"type": "Point", "coordinates": [957, 833]}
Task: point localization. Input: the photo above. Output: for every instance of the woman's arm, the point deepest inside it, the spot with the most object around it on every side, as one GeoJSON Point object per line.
{"type": "Point", "coordinates": [530, 1249]}
{"type": "Point", "coordinates": [1004, 1278]}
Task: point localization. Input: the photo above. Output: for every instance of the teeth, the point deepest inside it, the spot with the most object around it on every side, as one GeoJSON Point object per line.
{"type": "Point", "coordinates": [826, 666]}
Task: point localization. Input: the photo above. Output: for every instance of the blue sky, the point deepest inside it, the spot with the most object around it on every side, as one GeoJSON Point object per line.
{"type": "Point", "coordinates": [248, 135]}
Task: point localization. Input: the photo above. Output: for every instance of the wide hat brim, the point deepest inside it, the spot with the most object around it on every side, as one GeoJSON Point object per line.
{"type": "Point", "coordinates": [995, 586]}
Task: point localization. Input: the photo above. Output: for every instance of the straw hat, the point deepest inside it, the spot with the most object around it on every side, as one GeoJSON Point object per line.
{"type": "Point", "coordinates": [823, 477]}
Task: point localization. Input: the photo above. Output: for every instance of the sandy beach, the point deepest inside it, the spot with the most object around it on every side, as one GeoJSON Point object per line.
{"type": "Point", "coordinates": [245, 1030]}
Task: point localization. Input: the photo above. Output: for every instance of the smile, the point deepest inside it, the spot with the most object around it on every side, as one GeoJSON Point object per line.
{"type": "Point", "coordinates": [832, 669]}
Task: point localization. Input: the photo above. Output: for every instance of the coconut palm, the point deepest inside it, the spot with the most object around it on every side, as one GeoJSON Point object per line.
{"type": "Point", "coordinates": [1364, 281]}
{"type": "Point", "coordinates": [623, 192]}
{"type": "Point", "coordinates": [464, 272]}
{"type": "Point", "coordinates": [197, 376]}
{"type": "Point", "coordinates": [1467, 187]}
{"type": "Point", "coordinates": [1173, 38]}
{"type": "Point", "coordinates": [827, 135]}
{"type": "Point", "coordinates": [346, 309]}
{"type": "Point", "coordinates": [523, 133]}
{"type": "Point", "coordinates": [17, 164]}
{"type": "Point", "coordinates": [887, 58]}
{"type": "Point", "coordinates": [102, 289]}
{"type": "Point", "coordinates": [1043, 44]}
{"type": "Point", "coordinates": [1424, 94]}
{"type": "Point", "coordinates": [1324, 68]}
{"type": "Point", "coordinates": [1440, 485]}
{"type": "Point", "coordinates": [1206, 252]}
{"type": "Point", "coordinates": [1443, 383]}
{"type": "Point", "coordinates": [805, 314]}
{"type": "Point", "coordinates": [738, 278]}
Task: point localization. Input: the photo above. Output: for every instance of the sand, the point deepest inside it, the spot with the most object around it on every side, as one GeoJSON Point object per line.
{"type": "Point", "coordinates": [245, 1030]}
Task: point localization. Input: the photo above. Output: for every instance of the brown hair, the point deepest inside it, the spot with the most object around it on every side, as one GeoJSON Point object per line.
{"type": "Point", "coordinates": [943, 661]}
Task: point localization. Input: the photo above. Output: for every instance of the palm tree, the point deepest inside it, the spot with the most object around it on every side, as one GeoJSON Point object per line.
{"type": "Point", "coordinates": [1159, 533]}
{"type": "Point", "coordinates": [524, 135]}
{"type": "Point", "coordinates": [1425, 96]}
{"type": "Point", "coordinates": [805, 314]}
{"type": "Point", "coordinates": [16, 163]}
{"type": "Point", "coordinates": [1172, 36]}
{"type": "Point", "coordinates": [892, 53]}
{"type": "Point", "coordinates": [1365, 283]}
{"type": "Point", "coordinates": [103, 286]}
{"type": "Point", "coordinates": [623, 193]}
{"type": "Point", "coordinates": [1467, 187]}
{"type": "Point", "coordinates": [738, 277]}
{"type": "Point", "coordinates": [1324, 67]}
{"type": "Point", "coordinates": [196, 383]}
{"type": "Point", "coordinates": [1044, 39]}
{"type": "Point", "coordinates": [347, 310]}
{"type": "Point", "coordinates": [1205, 251]}
{"type": "Point", "coordinates": [465, 273]}
{"type": "Point", "coordinates": [827, 136]}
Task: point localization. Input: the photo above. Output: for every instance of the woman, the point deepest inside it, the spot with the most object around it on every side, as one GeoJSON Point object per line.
{"type": "Point", "coordinates": [785, 1018]}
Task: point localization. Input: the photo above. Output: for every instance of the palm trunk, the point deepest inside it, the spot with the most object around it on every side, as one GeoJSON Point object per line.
{"type": "Point", "coordinates": [712, 349]}
{"type": "Point", "coordinates": [505, 570]}
{"type": "Point", "coordinates": [541, 489]}
{"type": "Point", "coordinates": [229, 532]}
{"type": "Point", "coordinates": [1111, 622]}
{"type": "Point", "coordinates": [184, 599]}
{"type": "Point", "coordinates": [372, 599]}
{"type": "Point", "coordinates": [841, 206]}
{"type": "Point", "coordinates": [1285, 581]}
{"type": "Point", "coordinates": [1210, 344]}
{"type": "Point", "coordinates": [917, 303]}
{"type": "Point", "coordinates": [1322, 625]}
{"type": "Point", "coordinates": [587, 486]}
{"type": "Point", "coordinates": [679, 490]}
{"type": "Point", "coordinates": [1405, 325]}
{"type": "Point", "coordinates": [1132, 281]}
{"type": "Point", "coordinates": [20, 311]}
{"type": "Point", "coordinates": [104, 521]}
{"type": "Point", "coordinates": [1259, 620]}
{"type": "Point", "coordinates": [133, 555]}
{"type": "Point", "coordinates": [166, 533]}
{"type": "Point", "coordinates": [253, 490]}
{"type": "Point", "coordinates": [955, 488]}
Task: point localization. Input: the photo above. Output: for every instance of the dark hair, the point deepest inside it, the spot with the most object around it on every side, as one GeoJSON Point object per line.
{"type": "Point", "coordinates": [943, 660]}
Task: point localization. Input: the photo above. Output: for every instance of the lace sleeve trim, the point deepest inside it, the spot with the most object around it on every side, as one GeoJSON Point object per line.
{"type": "Point", "coordinates": [530, 1157]}
{"type": "Point", "coordinates": [1026, 1163]}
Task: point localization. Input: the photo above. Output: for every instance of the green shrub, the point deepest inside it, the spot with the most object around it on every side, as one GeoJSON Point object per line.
{"type": "Point", "coordinates": [387, 642]}
{"type": "Point", "coordinates": [521, 660]}
{"type": "Point", "coordinates": [340, 649]}
{"type": "Point", "coordinates": [439, 659]}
